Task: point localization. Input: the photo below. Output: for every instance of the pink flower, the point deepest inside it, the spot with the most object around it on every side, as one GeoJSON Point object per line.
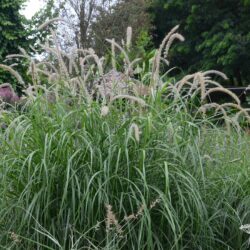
{"type": "Point", "coordinates": [7, 94]}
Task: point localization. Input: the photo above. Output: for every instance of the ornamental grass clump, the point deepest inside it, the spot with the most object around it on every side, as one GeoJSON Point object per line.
{"type": "Point", "coordinates": [80, 170]}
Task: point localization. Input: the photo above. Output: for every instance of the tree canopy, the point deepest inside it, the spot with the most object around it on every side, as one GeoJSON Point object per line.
{"type": "Point", "coordinates": [217, 35]}
{"type": "Point", "coordinates": [113, 22]}
{"type": "Point", "coordinates": [12, 31]}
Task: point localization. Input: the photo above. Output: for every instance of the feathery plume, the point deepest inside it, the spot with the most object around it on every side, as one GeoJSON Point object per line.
{"type": "Point", "coordinates": [226, 91]}
{"type": "Point", "coordinates": [115, 44]}
{"type": "Point", "coordinates": [216, 72]}
{"type": "Point", "coordinates": [104, 111]}
{"type": "Point", "coordinates": [44, 25]}
{"type": "Point", "coordinates": [113, 54]}
{"type": "Point", "coordinates": [158, 53]}
{"type": "Point", "coordinates": [129, 37]}
{"type": "Point", "coordinates": [134, 127]}
{"type": "Point", "coordinates": [129, 97]}
{"type": "Point", "coordinates": [170, 42]}
{"type": "Point", "coordinates": [13, 72]}
{"type": "Point", "coordinates": [112, 220]}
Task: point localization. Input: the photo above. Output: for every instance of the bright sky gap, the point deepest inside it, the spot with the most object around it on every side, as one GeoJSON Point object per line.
{"type": "Point", "coordinates": [31, 7]}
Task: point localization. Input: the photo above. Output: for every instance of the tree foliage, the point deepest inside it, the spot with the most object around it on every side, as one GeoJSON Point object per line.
{"type": "Point", "coordinates": [218, 34]}
{"type": "Point", "coordinates": [12, 31]}
{"type": "Point", "coordinates": [87, 23]}
{"type": "Point", "coordinates": [48, 12]}
{"type": "Point", "coordinates": [78, 16]}
{"type": "Point", "coordinates": [113, 22]}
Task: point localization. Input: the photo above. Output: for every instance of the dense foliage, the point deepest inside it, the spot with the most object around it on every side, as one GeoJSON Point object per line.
{"type": "Point", "coordinates": [113, 22]}
{"type": "Point", "coordinates": [48, 12]}
{"type": "Point", "coordinates": [12, 32]}
{"type": "Point", "coordinates": [217, 33]}
{"type": "Point", "coordinates": [72, 178]}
